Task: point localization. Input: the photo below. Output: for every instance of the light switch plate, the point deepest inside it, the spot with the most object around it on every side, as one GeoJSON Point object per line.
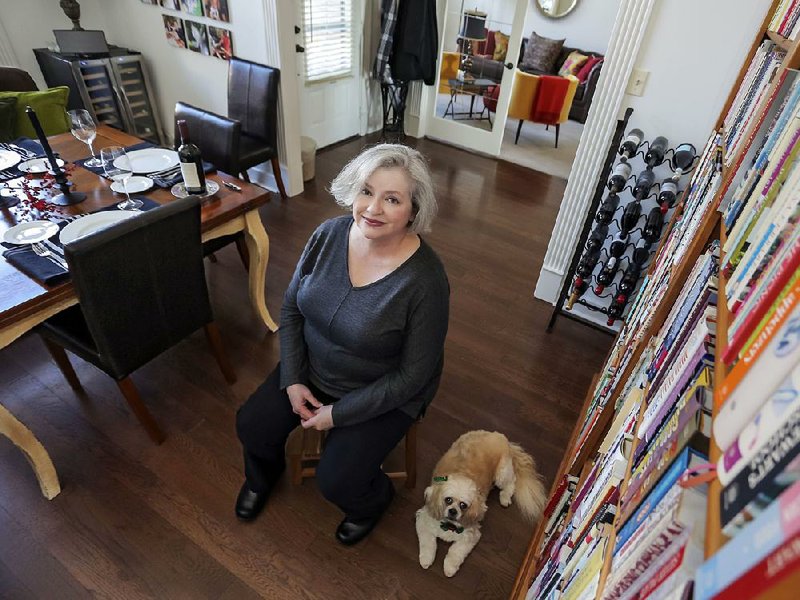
{"type": "Point", "coordinates": [637, 82]}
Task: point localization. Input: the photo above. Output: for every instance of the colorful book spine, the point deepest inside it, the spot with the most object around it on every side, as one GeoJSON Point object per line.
{"type": "Point", "coordinates": [777, 523]}
{"type": "Point", "coordinates": [756, 434]}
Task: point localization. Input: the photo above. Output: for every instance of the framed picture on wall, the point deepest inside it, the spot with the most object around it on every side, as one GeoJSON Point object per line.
{"type": "Point", "coordinates": [196, 37]}
{"type": "Point", "coordinates": [193, 7]}
{"type": "Point", "coordinates": [173, 28]}
{"type": "Point", "coordinates": [171, 4]}
{"type": "Point", "coordinates": [217, 9]}
{"type": "Point", "coordinates": [220, 42]}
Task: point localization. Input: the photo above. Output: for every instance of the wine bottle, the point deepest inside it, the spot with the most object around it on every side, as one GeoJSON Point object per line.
{"type": "Point", "coordinates": [630, 217]}
{"type": "Point", "coordinates": [578, 289]}
{"type": "Point", "coordinates": [194, 177]}
{"type": "Point", "coordinates": [606, 275]}
{"type": "Point", "coordinates": [630, 144]}
{"type": "Point", "coordinates": [615, 310]}
{"type": "Point", "coordinates": [587, 263]}
{"type": "Point", "coordinates": [619, 177]}
{"type": "Point", "coordinates": [668, 194]}
{"type": "Point", "coordinates": [617, 247]}
{"type": "Point", "coordinates": [652, 227]}
{"type": "Point", "coordinates": [683, 158]}
{"type": "Point", "coordinates": [630, 277]}
{"type": "Point", "coordinates": [598, 236]}
{"type": "Point", "coordinates": [606, 212]}
{"type": "Point", "coordinates": [655, 154]}
{"type": "Point", "coordinates": [641, 252]}
{"type": "Point", "coordinates": [644, 182]}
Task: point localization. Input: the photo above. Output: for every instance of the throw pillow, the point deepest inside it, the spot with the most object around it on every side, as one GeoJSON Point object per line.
{"type": "Point", "coordinates": [572, 65]}
{"type": "Point", "coordinates": [488, 45]}
{"type": "Point", "coordinates": [500, 46]}
{"type": "Point", "coordinates": [541, 53]}
{"type": "Point", "coordinates": [583, 73]}
{"type": "Point", "coordinates": [8, 118]}
{"type": "Point", "coordinates": [50, 106]}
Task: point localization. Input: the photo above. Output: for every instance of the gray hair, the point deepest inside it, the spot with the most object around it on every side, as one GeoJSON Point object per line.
{"type": "Point", "coordinates": [349, 182]}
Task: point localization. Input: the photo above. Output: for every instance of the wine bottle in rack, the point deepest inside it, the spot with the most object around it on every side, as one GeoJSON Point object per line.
{"type": "Point", "coordinates": [605, 213]}
{"type": "Point", "coordinates": [630, 217]}
{"type": "Point", "coordinates": [656, 152]}
{"type": "Point", "coordinates": [194, 177]}
{"type": "Point", "coordinates": [616, 309]}
{"type": "Point", "coordinates": [587, 264]}
{"type": "Point", "coordinates": [683, 158]}
{"type": "Point", "coordinates": [653, 225]}
{"type": "Point", "coordinates": [578, 289]}
{"type": "Point", "coordinates": [641, 252]}
{"type": "Point", "coordinates": [606, 274]}
{"type": "Point", "coordinates": [644, 182]}
{"type": "Point", "coordinates": [630, 277]}
{"type": "Point", "coordinates": [617, 248]}
{"type": "Point", "coordinates": [631, 143]}
{"type": "Point", "coordinates": [668, 193]}
{"type": "Point", "coordinates": [597, 238]}
{"type": "Point", "coordinates": [619, 177]}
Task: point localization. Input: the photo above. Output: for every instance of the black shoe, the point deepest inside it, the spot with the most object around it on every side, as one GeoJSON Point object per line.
{"type": "Point", "coordinates": [351, 532]}
{"type": "Point", "coordinates": [250, 503]}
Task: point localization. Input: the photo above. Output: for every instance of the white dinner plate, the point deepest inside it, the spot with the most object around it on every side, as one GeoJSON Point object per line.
{"type": "Point", "coordinates": [38, 165]}
{"type": "Point", "coordinates": [179, 189]}
{"type": "Point", "coordinates": [136, 184]}
{"type": "Point", "coordinates": [94, 222]}
{"type": "Point", "coordinates": [8, 159]}
{"type": "Point", "coordinates": [148, 160]}
{"type": "Point", "coordinates": [30, 232]}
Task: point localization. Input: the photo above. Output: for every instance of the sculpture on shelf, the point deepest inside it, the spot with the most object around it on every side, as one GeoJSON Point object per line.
{"type": "Point", "coordinates": [72, 9]}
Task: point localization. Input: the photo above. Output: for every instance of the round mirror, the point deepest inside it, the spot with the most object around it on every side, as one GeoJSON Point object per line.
{"type": "Point", "coordinates": [555, 9]}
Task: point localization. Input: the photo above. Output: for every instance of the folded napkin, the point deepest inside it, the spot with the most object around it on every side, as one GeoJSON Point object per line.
{"type": "Point", "coordinates": [41, 268]}
{"type": "Point", "coordinates": [26, 148]}
{"type": "Point", "coordinates": [167, 180]}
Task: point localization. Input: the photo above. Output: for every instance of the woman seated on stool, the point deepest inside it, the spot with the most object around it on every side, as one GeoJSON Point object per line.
{"type": "Point", "coordinates": [362, 336]}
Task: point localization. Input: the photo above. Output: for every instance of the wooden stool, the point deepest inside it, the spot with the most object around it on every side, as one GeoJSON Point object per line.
{"type": "Point", "coordinates": [305, 450]}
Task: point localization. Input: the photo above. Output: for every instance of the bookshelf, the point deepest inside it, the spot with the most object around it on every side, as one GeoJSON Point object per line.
{"type": "Point", "coordinates": [695, 224]}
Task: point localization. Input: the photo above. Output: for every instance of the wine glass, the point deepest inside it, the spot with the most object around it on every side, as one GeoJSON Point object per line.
{"type": "Point", "coordinates": [121, 172]}
{"type": "Point", "coordinates": [83, 128]}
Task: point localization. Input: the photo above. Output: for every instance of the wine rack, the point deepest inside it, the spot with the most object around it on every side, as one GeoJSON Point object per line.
{"type": "Point", "coordinates": [633, 202]}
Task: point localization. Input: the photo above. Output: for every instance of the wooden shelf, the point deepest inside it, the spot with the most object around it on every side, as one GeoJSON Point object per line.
{"type": "Point", "coordinates": [781, 41]}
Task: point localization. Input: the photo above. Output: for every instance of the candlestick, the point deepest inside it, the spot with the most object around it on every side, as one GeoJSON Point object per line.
{"type": "Point", "coordinates": [66, 197]}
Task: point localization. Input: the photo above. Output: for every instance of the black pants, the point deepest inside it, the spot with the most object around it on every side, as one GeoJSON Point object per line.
{"type": "Point", "coordinates": [348, 474]}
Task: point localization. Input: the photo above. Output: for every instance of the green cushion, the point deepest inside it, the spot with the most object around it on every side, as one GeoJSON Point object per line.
{"type": "Point", "coordinates": [50, 106]}
{"type": "Point", "coordinates": [8, 118]}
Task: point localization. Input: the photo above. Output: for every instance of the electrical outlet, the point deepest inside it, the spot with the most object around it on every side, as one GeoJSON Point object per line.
{"type": "Point", "coordinates": [637, 82]}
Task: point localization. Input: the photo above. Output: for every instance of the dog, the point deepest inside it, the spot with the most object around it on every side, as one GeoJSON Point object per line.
{"type": "Point", "coordinates": [455, 502]}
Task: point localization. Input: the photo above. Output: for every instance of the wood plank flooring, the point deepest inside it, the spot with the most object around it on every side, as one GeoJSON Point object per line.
{"type": "Point", "coordinates": [136, 520]}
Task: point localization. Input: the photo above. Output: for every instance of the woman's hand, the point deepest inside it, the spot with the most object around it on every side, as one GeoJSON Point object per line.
{"type": "Point", "coordinates": [301, 398]}
{"type": "Point", "coordinates": [322, 419]}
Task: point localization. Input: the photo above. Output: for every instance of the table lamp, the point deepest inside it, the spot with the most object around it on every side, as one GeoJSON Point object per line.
{"type": "Point", "coordinates": [473, 29]}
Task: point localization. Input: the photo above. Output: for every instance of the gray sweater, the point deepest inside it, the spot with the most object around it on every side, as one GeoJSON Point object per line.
{"type": "Point", "coordinates": [376, 347]}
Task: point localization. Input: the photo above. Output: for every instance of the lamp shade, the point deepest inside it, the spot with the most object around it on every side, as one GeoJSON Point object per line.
{"type": "Point", "coordinates": [473, 25]}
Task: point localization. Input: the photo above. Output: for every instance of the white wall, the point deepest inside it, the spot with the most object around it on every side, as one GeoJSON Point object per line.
{"type": "Point", "coordinates": [692, 65]}
{"type": "Point", "coordinates": [587, 27]}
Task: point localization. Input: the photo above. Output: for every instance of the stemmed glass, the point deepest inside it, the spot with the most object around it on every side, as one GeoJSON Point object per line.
{"type": "Point", "coordinates": [121, 171]}
{"type": "Point", "coordinates": [83, 128]}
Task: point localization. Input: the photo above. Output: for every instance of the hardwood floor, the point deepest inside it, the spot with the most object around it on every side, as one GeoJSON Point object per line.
{"type": "Point", "coordinates": [137, 520]}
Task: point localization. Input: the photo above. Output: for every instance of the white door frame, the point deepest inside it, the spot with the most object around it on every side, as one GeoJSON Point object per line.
{"type": "Point", "coordinates": [461, 134]}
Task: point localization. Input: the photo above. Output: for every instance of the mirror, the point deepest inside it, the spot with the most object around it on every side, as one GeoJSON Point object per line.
{"type": "Point", "coordinates": [476, 34]}
{"type": "Point", "coordinates": [555, 9]}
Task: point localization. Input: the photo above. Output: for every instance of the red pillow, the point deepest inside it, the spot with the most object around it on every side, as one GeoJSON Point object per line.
{"type": "Point", "coordinates": [583, 74]}
{"type": "Point", "coordinates": [488, 45]}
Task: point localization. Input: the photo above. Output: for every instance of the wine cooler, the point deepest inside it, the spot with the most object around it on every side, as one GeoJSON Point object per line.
{"type": "Point", "coordinates": [115, 90]}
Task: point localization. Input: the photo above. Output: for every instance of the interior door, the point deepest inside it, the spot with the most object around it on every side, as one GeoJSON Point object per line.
{"type": "Point", "coordinates": [473, 87]}
{"type": "Point", "coordinates": [329, 107]}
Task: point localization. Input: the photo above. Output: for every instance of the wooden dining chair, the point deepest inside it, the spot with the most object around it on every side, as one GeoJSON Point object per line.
{"type": "Point", "coordinates": [305, 449]}
{"type": "Point", "coordinates": [142, 289]}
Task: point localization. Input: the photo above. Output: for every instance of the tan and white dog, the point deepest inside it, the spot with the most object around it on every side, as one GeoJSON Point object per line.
{"type": "Point", "coordinates": [455, 502]}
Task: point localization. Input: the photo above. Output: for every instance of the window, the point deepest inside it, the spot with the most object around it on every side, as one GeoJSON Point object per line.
{"type": "Point", "coordinates": [328, 38]}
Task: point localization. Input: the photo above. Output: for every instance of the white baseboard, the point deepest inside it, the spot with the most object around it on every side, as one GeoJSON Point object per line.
{"type": "Point", "coordinates": [549, 285]}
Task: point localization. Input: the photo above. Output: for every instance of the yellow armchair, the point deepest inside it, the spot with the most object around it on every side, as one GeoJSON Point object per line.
{"type": "Point", "coordinates": [527, 104]}
{"type": "Point", "coordinates": [448, 70]}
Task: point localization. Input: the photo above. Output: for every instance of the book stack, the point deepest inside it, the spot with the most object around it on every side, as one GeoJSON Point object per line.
{"type": "Point", "coordinates": [786, 20]}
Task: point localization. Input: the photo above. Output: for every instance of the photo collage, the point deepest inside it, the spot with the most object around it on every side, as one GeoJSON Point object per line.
{"type": "Point", "coordinates": [197, 37]}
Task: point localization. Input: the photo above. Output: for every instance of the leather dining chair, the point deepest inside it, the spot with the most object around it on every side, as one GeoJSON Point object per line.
{"type": "Point", "coordinates": [253, 103]}
{"type": "Point", "coordinates": [16, 80]}
{"type": "Point", "coordinates": [142, 288]}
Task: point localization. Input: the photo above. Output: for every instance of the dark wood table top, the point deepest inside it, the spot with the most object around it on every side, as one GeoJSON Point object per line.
{"type": "Point", "coordinates": [21, 296]}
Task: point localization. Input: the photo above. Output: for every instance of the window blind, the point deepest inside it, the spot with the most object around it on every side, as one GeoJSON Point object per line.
{"type": "Point", "coordinates": [328, 38]}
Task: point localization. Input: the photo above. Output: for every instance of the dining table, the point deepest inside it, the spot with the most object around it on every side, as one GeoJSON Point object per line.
{"type": "Point", "coordinates": [25, 302]}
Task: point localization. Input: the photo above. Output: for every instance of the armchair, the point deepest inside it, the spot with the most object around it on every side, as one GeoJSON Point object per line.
{"type": "Point", "coordinates": [541, 99]}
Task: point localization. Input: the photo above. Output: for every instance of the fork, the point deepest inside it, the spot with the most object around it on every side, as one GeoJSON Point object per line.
{"type": "Point", "coordinates": [45, 253]}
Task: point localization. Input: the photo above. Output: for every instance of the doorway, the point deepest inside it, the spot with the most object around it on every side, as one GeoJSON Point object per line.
{"type": "Point", "coordinates": [328, 70]}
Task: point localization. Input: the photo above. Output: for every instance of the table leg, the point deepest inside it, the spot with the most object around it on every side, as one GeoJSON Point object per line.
{"type": "Point", "coordinates": [258, 246]}
{"type": "Point", "coordinates": [23, 439]}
